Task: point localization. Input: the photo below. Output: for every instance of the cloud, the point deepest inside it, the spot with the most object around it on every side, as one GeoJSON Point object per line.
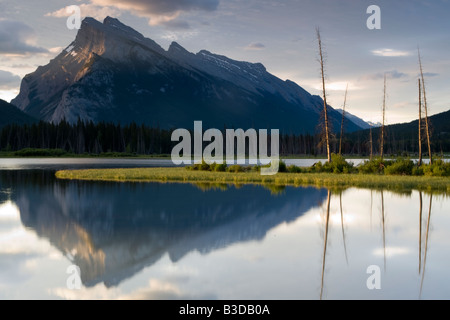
{"type": "Point", "coordinates": [390, 53]}
{"type": "Point", "coordinates": [255, 46]}
{"type": "Point", "coordinates": [154, 290]}
{"type": "Point", "coordinates": [17, 38]}
{"type": "Point", "coordinates": [21, 66]}
{"type": "Point", "coordinates": [430, 74]}
{"type": "Point", "coordinates": [393, 74]}
{"type": "Point", "coordinates": [87, 10]}
{"type": "Point", "coordinates": [176, 24]}
{"type": "Point", "coordinates": [160, 12]}
{"type": "Point", "coordinates": [161, 7]}
{"type": "Point", "coordinates": [8, 80]}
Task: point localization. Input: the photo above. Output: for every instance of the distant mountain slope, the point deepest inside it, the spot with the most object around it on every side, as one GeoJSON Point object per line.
{"type": "Point", "coordinates": [9, 114]}
{"type": "Point", "coordinates": [113, 73]}
{"type": "Point", "coordinates": [358, 121]}
{"type": "Point", "coordinates": [439, 126]}
{"type": "Point", "coordinates": [404, 136]}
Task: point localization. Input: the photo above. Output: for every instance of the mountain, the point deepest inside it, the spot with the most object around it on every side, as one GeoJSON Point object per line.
{"type": "Point", "coordinates": [9, 114]}
{"type": "Point", "coordinates": [358, 121]}
{"type": "Point", "coordinates": [375, 124]}
{"type": "Point", "coordinates": [403, 137]}
{"type": "Point", "coordinates": [439, 127]}
{"type": "Point", "coordinates": [113, 73]}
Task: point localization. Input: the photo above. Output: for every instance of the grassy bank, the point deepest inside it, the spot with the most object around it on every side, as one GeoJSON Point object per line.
{"type": "Point", "coordinates": [181, 175]}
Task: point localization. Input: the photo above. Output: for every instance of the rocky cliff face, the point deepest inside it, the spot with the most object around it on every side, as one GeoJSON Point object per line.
{"type": "Point", "coordinates": [113, 73]}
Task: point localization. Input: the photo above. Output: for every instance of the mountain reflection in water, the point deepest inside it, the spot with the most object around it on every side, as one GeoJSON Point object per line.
{"type": "Point", "coordinates": [114, 230]}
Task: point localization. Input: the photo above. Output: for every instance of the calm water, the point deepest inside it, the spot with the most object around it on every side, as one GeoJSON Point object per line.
{"type": "Point", "coordinates": [174, 241]}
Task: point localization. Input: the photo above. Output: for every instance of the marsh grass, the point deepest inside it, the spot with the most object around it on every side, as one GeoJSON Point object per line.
{"type": "Point", "coordinates": [320, 180]}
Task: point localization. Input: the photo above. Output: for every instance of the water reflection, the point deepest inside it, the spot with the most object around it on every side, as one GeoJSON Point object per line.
{"type": "Point", "coordinates": [237, 242]}
{"type": "Point", "coordinates": [112, 231]}
{"type": "Point", "coordinates": [426, 241]}
{"type": "Point", "coordinates": [386, 250]}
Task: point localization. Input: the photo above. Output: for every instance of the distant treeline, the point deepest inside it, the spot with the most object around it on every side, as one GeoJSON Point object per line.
{"type": "Point", "coordinates": [89, 138]}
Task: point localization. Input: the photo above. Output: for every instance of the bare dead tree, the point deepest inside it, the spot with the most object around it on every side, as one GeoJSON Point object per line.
{"type": "Point", "coordinates": [325, 111]}
{"type": "Point", "coordinates": [420, 123]}
{"type": "Point", "coordinates": [384, 120]}
{"type": "Point", "coordinates": [342, 122]}
{"type": "Point", "coordinates": [427, 124]}
{"type": "Point", "coordinates": [325, 243]}
{"type": "Point", "coordinates": [420, 230]}
{"type": "Point", "coordinates": [371, 143]}
{"type": "Point", "coordinates": [426, 244]}
{"type": "Point", "coordinates": [383, 221]}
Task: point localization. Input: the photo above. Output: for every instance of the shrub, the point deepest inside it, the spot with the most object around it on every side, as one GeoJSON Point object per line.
{"type": "Point", "coordinates": [373, 166]}
{"type": "Point", "coordinates": [256, 168]}
{"type": "Point", "coordinates": [337, 165]}
{"type": "Point", "coordinates": [294, 169]}
{"type": "Point", "coordinates": [417, 171]}
{"type": "Point", "coordinates": [29, 152]}
{"type": "Point", "coordinates": [282, 167]}
{"type": "Point", "coordinates": [400, 167]}
{"type": "Point", "coordinates": [439, 168]}
{"type": "Point", "coordinates": [212, 166]}
{"type": "Point", "coordinates": [235, 168]}
{"type": "Point", "coordinates": [220, 167]}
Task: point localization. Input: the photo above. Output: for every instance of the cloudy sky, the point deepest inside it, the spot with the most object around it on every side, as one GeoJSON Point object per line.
{"type": "Point", "coordinates": [279, 34]}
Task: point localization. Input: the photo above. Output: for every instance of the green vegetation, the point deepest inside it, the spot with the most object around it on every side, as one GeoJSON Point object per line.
{"type": "Point", "coordinates": [329, 180]}
{"type": "Point", "coordinates": [338, 165]}
{"type": "Point", "coordinates": [29, 152]}
{"type": "Point", "coordinates": [377, 166]}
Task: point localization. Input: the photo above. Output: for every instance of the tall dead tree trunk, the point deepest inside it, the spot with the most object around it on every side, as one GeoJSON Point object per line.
{"type": "Point", "coordinates": [425, 105]}
{"type": "Point", "coordinates": [322, 69]}
{"type": "Point", "coordinates": [371, 143]}
{"type": "Point", "coordinates": [325, 243]}
{"type": "Point", "coordinates": [342, 122]}
{"type": "Point", "coordinates": [420, 123]}
{"type": "Point", "coordinates": [384, 120]}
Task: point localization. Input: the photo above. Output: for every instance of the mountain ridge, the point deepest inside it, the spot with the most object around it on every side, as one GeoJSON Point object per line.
{"type": "Point", "coordinates": [358, 121]}
{"type": "Point", "coordinates": [9, 114]}
{"type": "Point", "coordinates": [112, 73]}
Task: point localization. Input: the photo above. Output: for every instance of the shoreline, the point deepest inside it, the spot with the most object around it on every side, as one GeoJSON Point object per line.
{"type": "Point", "coordinates": [321, 180]}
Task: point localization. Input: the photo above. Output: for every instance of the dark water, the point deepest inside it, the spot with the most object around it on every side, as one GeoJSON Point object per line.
{"type": "Point", "coordinates": [172, 241]}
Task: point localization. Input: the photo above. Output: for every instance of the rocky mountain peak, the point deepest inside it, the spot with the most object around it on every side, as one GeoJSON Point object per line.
{"type": "Point", "coordinates": [112, 73]}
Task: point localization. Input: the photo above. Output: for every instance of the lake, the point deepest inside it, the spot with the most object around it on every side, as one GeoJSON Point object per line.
{"type": "Point", "coordinates": [182, 241]}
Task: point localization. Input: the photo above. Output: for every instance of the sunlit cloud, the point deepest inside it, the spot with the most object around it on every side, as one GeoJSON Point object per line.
{"type": "Point", "coordinates": [336, 86]}
{"type": "Point", "coordinates": [391, 251]}
{"type": "Point", "coordinates": [9, 212]}
{"type": "Point", "coordinates": [255, 46]}
{"type": "Point", "coordinates": [390, 53]}
{"type": "Point", "coordinates": [87, 10]}
{"type": "Point", "coordinates": [19, 241]}
{"type": "Point", "coordinates": [8, 95]}
{"type": "Point", "coordinates": [158, 12]}
{"type": "Point", "coordinates": [155, 290]}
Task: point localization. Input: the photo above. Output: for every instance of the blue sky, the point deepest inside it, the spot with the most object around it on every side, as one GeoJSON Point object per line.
{"type": "Point", "coordinates": [279, 34]}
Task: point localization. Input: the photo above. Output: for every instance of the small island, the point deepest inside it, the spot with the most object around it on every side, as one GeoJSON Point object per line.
{"type": "Point", "coordinates": [400, 174]}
